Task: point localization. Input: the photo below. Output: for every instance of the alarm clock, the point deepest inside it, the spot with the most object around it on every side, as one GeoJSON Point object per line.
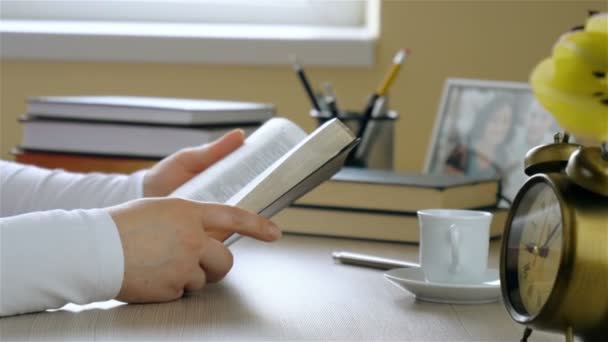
{"type": "Point", "coordinates": [554, 256]}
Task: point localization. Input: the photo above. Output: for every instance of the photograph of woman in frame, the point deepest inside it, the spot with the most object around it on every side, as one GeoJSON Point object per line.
{"type": "Point", "coordinates": [485, 128]}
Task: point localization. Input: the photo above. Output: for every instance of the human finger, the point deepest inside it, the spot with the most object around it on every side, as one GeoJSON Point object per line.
{"type": "Point", "coordinates": [228, 219]}
{"type": "Point", "coordinates": [218, 235]}
{"type": "Point", "coordinates": [199, 158]}
{"type": "Point", "coordinates": [197, 280]}
{"type": "Point", "coordinates": [216, 260]}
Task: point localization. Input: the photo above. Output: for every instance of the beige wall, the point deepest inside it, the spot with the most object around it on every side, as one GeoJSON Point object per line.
{"type": "Point", "coordinates": [500, 40]}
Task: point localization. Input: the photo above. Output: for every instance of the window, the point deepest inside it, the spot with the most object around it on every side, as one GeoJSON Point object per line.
{"type": "Point", "coordinates": [286, 12]}
{"type": "Point", "coordinates": [227, 31]}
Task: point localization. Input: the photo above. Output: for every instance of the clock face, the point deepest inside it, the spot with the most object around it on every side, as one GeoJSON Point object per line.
{"type": "Point", "coordinates": [534, 249]}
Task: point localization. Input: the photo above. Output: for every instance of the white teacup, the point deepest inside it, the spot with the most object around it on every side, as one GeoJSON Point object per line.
{"type": "Point", "coordinates": [454, 245]}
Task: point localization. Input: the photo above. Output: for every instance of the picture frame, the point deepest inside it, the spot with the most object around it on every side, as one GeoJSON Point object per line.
{"type": "Point", "coordinates": [485, 128]}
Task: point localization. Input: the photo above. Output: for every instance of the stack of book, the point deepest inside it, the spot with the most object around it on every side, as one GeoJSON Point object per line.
{"type": "Point", "coordinates": [382, 205]}
{"type": "Point", "coordinates": [123, 134]}
{"type": "Point", "coordinates": [86, 127]}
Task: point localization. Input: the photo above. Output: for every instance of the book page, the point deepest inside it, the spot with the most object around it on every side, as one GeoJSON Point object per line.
{"type": "Point", "coordinates": [301, 162]}
{"type": "Point", "coordinates": [222, 180]}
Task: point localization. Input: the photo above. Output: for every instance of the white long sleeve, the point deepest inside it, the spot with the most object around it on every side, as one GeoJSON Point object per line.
{"type": "Point", "coordinates": [24, 189]}
{"type": "Point", "coordinates": [50, 256]}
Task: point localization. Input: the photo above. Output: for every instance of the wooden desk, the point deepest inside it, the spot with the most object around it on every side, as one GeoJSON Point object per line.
{"type": "Point", "coordinates": [289, 290]}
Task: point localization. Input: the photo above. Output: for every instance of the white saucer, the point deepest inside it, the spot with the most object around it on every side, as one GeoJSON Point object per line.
{"type": "Point", "coordinates": [412, 280]}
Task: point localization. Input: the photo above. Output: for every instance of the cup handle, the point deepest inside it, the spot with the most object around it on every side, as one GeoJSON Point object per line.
{"type": "Point", "coordinates": [454, 237]}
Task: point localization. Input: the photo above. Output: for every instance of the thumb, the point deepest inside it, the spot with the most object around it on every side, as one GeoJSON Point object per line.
{"type": "Point", "coordinates": [196, 159]}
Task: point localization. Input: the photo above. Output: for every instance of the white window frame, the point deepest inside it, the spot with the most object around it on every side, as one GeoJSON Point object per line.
{"type": "Point", "coordinates": [173, 42]}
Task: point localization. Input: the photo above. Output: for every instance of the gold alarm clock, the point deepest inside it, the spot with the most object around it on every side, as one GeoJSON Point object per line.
{"type": "Point", "coordinates": [554, 257]}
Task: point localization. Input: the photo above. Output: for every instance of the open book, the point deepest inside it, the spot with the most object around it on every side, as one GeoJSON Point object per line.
{"type": "Point", "coordinates": [277, 164]}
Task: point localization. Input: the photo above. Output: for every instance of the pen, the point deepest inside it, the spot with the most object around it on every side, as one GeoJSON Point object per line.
{"type": "Point", "coordinates": [398, 60]}
{"type": "Point", "coordinates": [370, 134]}
{"type": "Point", "coordinates": [302, 76]}
{"type": "Point", "coordinates": [331, 100]}
{"type": "Point", "coordinates": [370, 261]}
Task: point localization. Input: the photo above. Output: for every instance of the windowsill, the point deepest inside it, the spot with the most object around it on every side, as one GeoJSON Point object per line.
{"type": "Point", "coordinates": [186, 43]}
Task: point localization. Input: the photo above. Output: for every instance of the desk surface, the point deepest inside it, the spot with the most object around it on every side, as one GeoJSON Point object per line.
{"type": "Point", "coordinates": [289, 290]}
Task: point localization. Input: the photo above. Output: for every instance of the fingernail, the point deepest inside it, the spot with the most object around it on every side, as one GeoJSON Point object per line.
{"type": "Point", "coordinates": [273, 231]}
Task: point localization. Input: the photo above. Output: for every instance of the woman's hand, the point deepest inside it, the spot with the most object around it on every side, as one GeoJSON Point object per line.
{"type": "Point", "coordinates": [167, 248]}
{"type": "Point", "coordinates": [176, 169]}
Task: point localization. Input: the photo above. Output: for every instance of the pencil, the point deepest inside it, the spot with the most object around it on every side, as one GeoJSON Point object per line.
{"type": "Point", "coordinates": [394, 70]}
{"type": "Point", "coordinates": [398, 60]}
{"type": "Point", "coordinates": [304, 80]}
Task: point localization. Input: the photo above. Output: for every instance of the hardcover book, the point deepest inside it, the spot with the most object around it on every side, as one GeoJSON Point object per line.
{"type": "Point", "coordinates": [371, 225]}
{"type": "Point", "coordinates": [117, 139]}
{"type": "Point", "coordinates": [159, 110]}
{"type": "Point", "coordinates": [276, 165]}
{"type": "Point", "coordinates": [402, 192]}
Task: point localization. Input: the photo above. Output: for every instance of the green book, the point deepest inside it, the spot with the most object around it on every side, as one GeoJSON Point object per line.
{"type": "Point", "coordinates": [381, 190]}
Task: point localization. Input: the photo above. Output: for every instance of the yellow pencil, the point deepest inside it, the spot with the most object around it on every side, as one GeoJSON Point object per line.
{"type": "Point", "coordinates": [383, 88]}
{"type": "Point", "coordinates": [392, 73]}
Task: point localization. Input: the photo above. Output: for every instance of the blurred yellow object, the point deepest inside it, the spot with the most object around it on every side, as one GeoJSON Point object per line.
{"type": "Point", "coordinates": [572, 84]}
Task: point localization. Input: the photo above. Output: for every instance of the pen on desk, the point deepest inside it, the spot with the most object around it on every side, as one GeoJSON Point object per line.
{"type": "Point", "coordinates": [302, 76]}
{"type": "Point", "coordinates": [371, 261]}
{"type": "Point", "coordinates": [398, 60]}
{"type": "Point", "coordinates": [331, 100]}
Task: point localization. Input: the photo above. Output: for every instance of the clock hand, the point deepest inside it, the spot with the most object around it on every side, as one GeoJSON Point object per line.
{"type": "Point", "coordinates": [543, 229]}
{"type": "Point", "coordinates": [532, 248]}
{"type": "Point", "coordinates": [544, 249]}
{"type": "Point", "coordinates": [552, 234]}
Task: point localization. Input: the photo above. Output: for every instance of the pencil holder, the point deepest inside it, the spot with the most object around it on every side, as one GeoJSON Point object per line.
{"type": "Point", "coordinates": [376, 147]}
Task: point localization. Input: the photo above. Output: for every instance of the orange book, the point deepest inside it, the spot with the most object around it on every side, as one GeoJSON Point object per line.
{"type": "Point", "coordinates": [82, 162]}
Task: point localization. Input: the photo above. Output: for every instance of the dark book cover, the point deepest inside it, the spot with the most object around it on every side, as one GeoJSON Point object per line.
{"type": "Point", "coordinates": [385, 177]}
